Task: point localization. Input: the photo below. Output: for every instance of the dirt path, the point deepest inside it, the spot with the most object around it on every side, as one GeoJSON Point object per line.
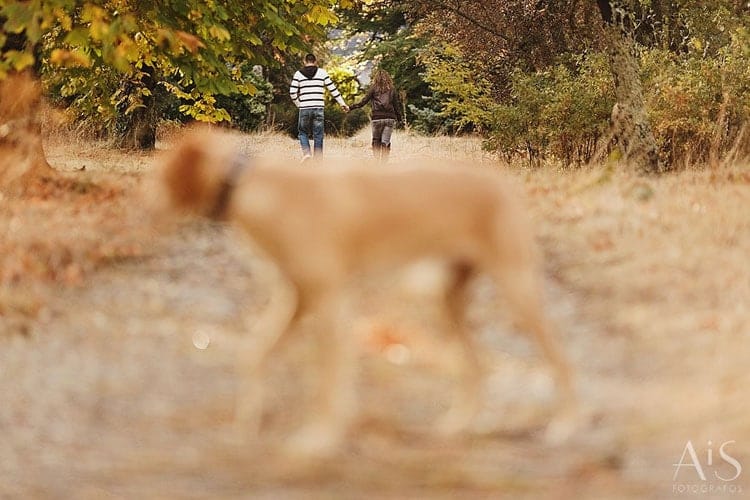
{"type": "Point", "coordinates": [115, 397]}
{"type": "Point", "coordinates": [124, 388]}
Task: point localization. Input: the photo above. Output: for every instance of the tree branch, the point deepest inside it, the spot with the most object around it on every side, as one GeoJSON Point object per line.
{"type": "Point", "coordinates": [606, 10]}
{"type": "Point", "coordinates": [457, 10]}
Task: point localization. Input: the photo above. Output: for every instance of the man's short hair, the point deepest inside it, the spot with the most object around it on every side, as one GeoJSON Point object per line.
{"type": "Point", "coordinates": [310, 58]}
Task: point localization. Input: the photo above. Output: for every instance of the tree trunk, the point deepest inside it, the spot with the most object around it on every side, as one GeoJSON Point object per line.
{"type": "Point", "coordinates": [140, 132]}
{"type": "Point", "coordinates": [21, 152]}
{"type": "Point", "coordinates": [137, 126]}
{"type": "Point", "coordinates": [630, 127]}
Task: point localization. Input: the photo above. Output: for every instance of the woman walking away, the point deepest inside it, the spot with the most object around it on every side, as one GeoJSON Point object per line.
{"type": "Point", "coordinates": [386, 111]}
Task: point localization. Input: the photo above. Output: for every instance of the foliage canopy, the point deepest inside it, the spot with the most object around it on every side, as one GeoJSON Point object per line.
{"type": "Point", "coordinates": [530, 75]}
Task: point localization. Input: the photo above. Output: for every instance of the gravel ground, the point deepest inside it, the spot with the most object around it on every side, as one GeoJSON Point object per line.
{"type": "Point", "coordinates": [112, 395]}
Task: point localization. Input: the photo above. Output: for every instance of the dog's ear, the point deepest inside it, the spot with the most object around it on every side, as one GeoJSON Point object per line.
{"type": "Point", "coordinates": [184, 174]}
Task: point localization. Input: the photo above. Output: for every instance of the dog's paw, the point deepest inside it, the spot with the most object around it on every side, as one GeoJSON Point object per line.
{"type": "Point", "coordinates": [244, 432]}
{"type": "Point", "coordinates": [315, 440]}
{"type": "Point", "coordinates": [246, 423]}
{"type": "Point", "coordinates": [454, 423]}
{"type": "Point", "coordinates": [563, 427]}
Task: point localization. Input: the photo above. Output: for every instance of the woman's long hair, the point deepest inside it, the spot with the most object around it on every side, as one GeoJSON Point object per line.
{"type": "Point", "coordinates": [381, 80]}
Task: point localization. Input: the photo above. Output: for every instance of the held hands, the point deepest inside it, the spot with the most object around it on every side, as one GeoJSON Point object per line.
{"type": "Point", "coordinates": [345, 107]}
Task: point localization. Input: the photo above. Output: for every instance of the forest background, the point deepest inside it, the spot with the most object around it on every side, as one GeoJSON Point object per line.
{"type": "Point", "coordinates": [538, 80]}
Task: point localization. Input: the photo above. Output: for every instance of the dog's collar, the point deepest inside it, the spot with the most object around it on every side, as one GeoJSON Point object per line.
{"type": "Point", "coordinates": [240, 163]}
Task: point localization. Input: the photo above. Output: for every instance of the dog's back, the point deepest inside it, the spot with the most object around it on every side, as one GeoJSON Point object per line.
{"type": "Point", "coordinates": [378, 217]}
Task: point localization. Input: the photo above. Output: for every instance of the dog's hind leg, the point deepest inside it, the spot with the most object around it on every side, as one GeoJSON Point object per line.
{"type": "Point", "coordinates": [522, 290]}
{"type": "Point", "coordinates": [465, 401]}
{"type": "Point", "coordinates": [255, 350]}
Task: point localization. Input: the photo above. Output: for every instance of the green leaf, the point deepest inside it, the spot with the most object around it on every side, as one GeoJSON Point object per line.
{"type": "Point", "coordinates": [20, 16]}
{"type": "Point", "coordinates": [78, 37]}
{"type": "Point", "coordinates": [19, 60]}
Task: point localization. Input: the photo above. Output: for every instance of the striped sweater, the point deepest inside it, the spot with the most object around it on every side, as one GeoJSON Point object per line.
{"type": "Point", "coordinates": [308, 88]}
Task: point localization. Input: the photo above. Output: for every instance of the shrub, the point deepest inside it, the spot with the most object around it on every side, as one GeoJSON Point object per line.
{"type": "Point", "coordinates": [559, 113]}
{"type": "Point", "coordinates": [462, 98]}
{"type": "Point", "coordinates": [699, 104]}
{"type": "Point", "coordinates": [248, 112]}
{"type": "Point", "coordinates": [431, 121]}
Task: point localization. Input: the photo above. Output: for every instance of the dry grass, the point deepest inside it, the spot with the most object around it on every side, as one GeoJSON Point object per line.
{"type": "Point", "coordinates": [649, 282]}
{"type": "Point", "coordinates": [661, 266]}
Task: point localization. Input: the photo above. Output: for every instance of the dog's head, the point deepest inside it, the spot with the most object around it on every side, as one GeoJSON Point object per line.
{"type": "Point", "coordinates": [194, 173]}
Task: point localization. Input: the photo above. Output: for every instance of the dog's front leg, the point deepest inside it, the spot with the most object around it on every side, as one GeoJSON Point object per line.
{"type": "Point", "coordinates": [255, 349]}
{"type": "Point", "coordinates": [465, 402]}
{"type": "Point", "coordinates": [334, 401]}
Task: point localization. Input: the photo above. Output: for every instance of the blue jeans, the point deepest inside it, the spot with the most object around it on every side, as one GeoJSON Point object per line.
{"type": "Point", "coordinates": [311, 123]}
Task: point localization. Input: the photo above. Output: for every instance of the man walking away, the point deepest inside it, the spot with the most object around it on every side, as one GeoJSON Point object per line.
{"type": "Point", "coordinates": [307, 91]}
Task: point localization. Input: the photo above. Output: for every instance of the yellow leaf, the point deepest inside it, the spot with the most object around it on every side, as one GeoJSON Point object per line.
{"type": "Point", "coordinates": [247, 88]}
{"type": "Point", "coordinates": [98, 30]}
{"type": "Point", "coordinates": [65, 21]}
{"type": "Point", "coordinates": [322, 16]}
{"type": "Point", "coordinates": [219, 33]}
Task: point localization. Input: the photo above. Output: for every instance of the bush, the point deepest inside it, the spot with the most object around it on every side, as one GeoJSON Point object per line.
{"type": "Point", "coordinates": [337, 122]}
{"type": "Point", "coordinates": [462, 98]}
{"type": "Point", "coordinates": [430, 121]}
{"type": "Point", "coordinates": [344, 124]}
{"type": "Point", "coordinates": [248, 112]}
{"type": "Point", "coordinates": [699, 104]}
{"type": "Point", "coordinates": [560, 113]}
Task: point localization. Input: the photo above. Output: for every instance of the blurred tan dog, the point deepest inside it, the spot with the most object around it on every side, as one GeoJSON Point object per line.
{"type": "Point", "coordinates": [324, 226]}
